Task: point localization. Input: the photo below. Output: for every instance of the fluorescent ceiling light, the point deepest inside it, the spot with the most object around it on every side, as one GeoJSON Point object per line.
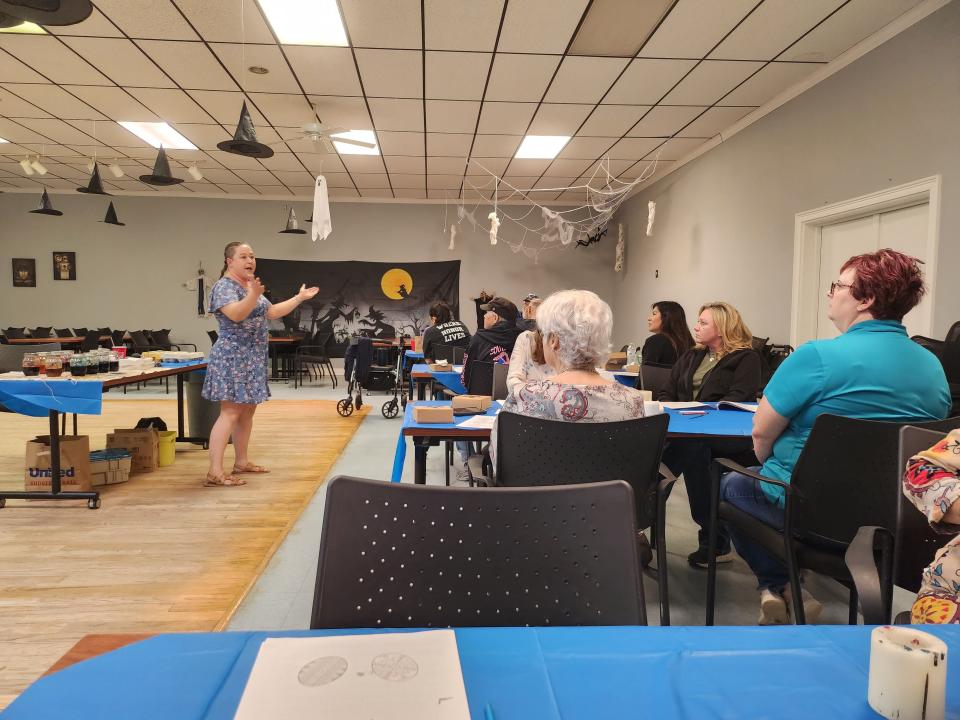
{"type": "Point", "coordinates": [3, 141]}
{"type": "Point", "coordinates": [158, 134]}
{"type": "Point", "coordinates": [25, 28]}
{"type": "Point", "coordinates": [363, 136]}
{"type": "Point", "coordinates": [305, 22]}
{"type": "Point", "coordinates": [543, 147]}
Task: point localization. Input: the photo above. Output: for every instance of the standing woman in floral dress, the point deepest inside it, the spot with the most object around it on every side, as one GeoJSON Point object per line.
{"type": "Point", "coordinates": [237, 368]}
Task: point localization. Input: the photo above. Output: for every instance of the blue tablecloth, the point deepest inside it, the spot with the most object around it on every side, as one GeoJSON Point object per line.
{"type": "Point", "coordinates": [400, 454]}
{"type": "Point", "coordinates": [188, 363]}
{"type": "Point", "coordinates": [449, 379]}
{"type": "Point", "coordinates": [730, 423]}
{"type": "Point", "coordinates": [593, 673]}
{"type": "Point", "coordinates": [37, 398]}
{"type": "Point", "coordinates": [413, 355]}
{"type": "Point", "coordinates": [628, 380]}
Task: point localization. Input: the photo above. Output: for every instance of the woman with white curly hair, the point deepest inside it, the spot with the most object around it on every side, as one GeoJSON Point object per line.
{"type": "Point", "coordinates": [576, 327]}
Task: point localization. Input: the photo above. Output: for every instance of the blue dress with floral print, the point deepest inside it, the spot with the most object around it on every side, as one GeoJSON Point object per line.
{"type": "Point", "coordinates": [237, 368]}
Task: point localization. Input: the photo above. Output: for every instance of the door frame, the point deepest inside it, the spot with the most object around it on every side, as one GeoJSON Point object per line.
{"type": "Point", "coordinates": [807, 239]}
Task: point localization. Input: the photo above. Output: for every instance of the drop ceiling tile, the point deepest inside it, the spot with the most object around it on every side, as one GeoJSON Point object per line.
{"type": "Point", "coordinates": [554, 119]}
{"type": "Point", "coordinates": [48, 56]}
{"type": "Point", "coordinates": [383, 24]}
{"type": "Point", "coordinates": [113, 102]}
{"type": "Point", "coordinates": [770, 81]}
{"type": "Point", "coordinates": [12, 106]}
{"type": "Point", "coordinates": [849, 25]}
{"type": "Point", "coordinates": [220, 21]}
{"type": "Point", "coordinates": [204, 137]}
{"type": "Point", "coordinates": [528, 167]}
{"type": "Point", "coordinates": [589, 148]}
{"type": "Point", "coordinates": [68, 172]}
{"type": "Point", "coordinates": [773, 27]}
{"type": "Point", "coordinates": [452, 116]}
{"type": "Point", "coordinates": [235, 162]}
{"type": "Point", "coordinates": [520, 78]}
{"type": "Point", "coordinates": [570, 166]}
{"type": "Point", "coordinates": [56, 101]}
{"type": "Point", "coordinates": [63, 153]}
{"type": "Point", "coordinates": [273, 190]}
{"type": "Point", "coordinates": [676, 149]}
{"type": "Point", "coordinates": [714, 121]}
{"type": "Point", "coordinates": [391, 114]}
{"type": "Point", "coordinates": [391, 73]}
{"type": "Point", "coordinates": [257, 177]}
{"type": "Point", "coordinates": [646, 81]}
{"type": "Point", "coordinates": [343, 193]}
{"type": "Point", "coordinates": [292, 178]}
{"type": "Point", "coordinates": [633, 148]}
{"type": "Point", "coordinates": [400, 143]}
{"type": "Point", "coordinates": [505, 118]}
{"type": "Point", "coordinates": [324, 70]}
{"type": "Point", "coordinates": [148, 19]}
{"type": "Point", "coordinates": [120, 60]}
{"type": "Point", "coordinates": [496, 145]}
{"type": "Point", "coordinates": [470, 194]}
{"type": "Point", "coordinates": [409, 193]}
{"type": "Point", "coordinates": [96, 25]}
{"type": "Point", "coordinates": [190, 64]}
{"type": "Point", "coordinates": [618, 28]}
{"type": "Point", "coordinates": [57, 131]}
{"type": "Point", "coordinates": [57, 183]}
{"type": "Point", "coordinates": [453, 145]}
{"type": "Point", "coordinates": [204, 187]}
{"type": "Point", "coordinates": [239, 190]}
{"type": "Point", "coordinates": [109, 133]}
{"type": "Point", "coordinates": [405, 165]}
{"type": "Point", "coordinates": [487, 165]}
{"type": "Point", "coordinates": [709, 81]}
{"type": "Point", "coordinates": [348, 112]}
{"type": "Point", "coordinates": [363, 163]}
{"type": "Point", "coordinates": [220, 176]}
{"type": "Point", "coordinates": [540, 26]}
{"type": "Point", "coordinates": [12, 70]}
{"type": "Point", "coordinates": [456, 75]}
{"type": "Point", "coordinates": [446, 165]}
{"type": "Point", "coordinates": [338, 180]}
{"type": "Point", "coordinates": [283, 162]}
{"type": "Point", "coordinates": [172, 106]}
{"type": "Point", "coordinates": [321, 163]}
{"type": "Point", "coordinates": [612, 120]}
{"type": "Point", "coordinates": [376, 193]}
{"type": "Point", "coordinates": [461, 24]}
{"type": "Point", "coordinates": [694, 27]}
{"type": "Point", "coordinates": [224, 107]}
{"type": "Point", "coordinates": [665, 120]}
{"type": "Point", "coordinates": [236, 59]}
{"type": "Point", "coordinates": [553, 182]}
{"type": "Point", "coordinates": [371, 180]}
{"type": "Point", "coordinates": [444, 182]}
{"type": "Point", "coordinates": [402, 181]}
{"type": "Point", "coordinates": [584, 79]}
{"type": "Point", "coordinates": [17, 132]}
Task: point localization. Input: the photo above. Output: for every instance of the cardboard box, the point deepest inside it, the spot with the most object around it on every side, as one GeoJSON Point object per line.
{"type": "Point", "coordinates": [108, 467]}
{"type": "Point", "coordinates": [616, 361]}
{"type": "Point", "coordinates": [143, 444]}
{"type": "Point", "coordinates": [74, 463]}
{"type": "Point", "coordinates": [441, 367]}
{"type": "Point", "coordinates": [432, 415]}
{"type": "Point", "coordinates": [472, 403]}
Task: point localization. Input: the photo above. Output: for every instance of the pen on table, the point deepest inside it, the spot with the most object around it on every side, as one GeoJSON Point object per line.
{"type": "Point", "coordinates": [488, 712]}
{"type": "Point", "coordinates": [693, 413]}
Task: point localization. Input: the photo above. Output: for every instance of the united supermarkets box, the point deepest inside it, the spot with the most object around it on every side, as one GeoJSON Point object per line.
{"type": "Point", "coordinates": [108, 467]}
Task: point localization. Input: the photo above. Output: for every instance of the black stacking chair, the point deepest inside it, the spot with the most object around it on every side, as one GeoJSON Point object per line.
{"type": "Point", "coordinates": [12, 333]}
{"type": "Point", "coordinates": [313, 355]}
{"type": "Point", "coordinates": [453, 354]}
{"type": "Point", "coordinates": [414, 556]}
{"type": "Point", "coordinates": [653, 377]}
{"type": "Point", "coordinates": [80, 332]}
{"type": "Point", "coordinates": [212, 334]}
{"type": "Point", "coordinates": [846, 477]}
{"type": "Point", "coordinates": [536, 452]}
{"type": "Point", "coordinates": [63, 332]}
{"type": "Point", "coordinates": [160, 339]}
{"type": "Point", "coordinates": [40, 332]}
{"type": "Point", "coordinates": [91, 341]}
{"type": "Point", "coordinates": [118, 337]}
{"type": "Point", "coordinates": [878, 560]}
{"type": "Point", "coordinates": [500, 371]}
{"type": "Point", "coordinates": [481, 378]}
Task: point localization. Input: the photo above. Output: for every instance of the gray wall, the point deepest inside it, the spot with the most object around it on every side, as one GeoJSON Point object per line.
{"type": "Point", "coordinates": [132, 277]}
{"type": "Point", "coordinates": [724, 222]}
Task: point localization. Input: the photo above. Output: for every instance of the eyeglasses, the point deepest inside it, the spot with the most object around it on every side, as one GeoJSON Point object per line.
{"type": "Point", "coordinates": [834, 286]}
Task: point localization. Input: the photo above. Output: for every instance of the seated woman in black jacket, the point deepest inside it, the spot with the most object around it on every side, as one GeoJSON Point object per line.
{"type": "Point", "coordinates": [671, 337]}
{"type": "Point", "coordinates": [721, 366]}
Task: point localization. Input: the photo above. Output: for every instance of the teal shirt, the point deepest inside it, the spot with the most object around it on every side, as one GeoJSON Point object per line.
{"type": "Point", "coordinates": [873, 372]}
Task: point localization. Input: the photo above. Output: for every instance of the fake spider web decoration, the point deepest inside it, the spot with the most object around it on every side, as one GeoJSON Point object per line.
{"type": "Point", "coordinates": [541, 228]}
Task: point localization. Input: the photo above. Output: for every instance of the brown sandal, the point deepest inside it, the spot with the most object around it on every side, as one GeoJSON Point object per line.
{"type": "Point", "coordinates": [249, 468]}
{"type": "Point", "coordinates": [223, 480]}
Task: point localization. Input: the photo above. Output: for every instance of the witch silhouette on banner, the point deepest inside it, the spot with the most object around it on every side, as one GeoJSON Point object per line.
{"type": "Point", "coordinates": [375, 324]}
{"type": "Point", "coordinates": [335, 321]}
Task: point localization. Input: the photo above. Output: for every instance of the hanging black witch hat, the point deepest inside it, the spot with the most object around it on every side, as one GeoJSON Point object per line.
{"type": "Point", "coordinates": [245, 139]}
{"type": "Point", "coordinates": [292, 226]}
{"type": "Point", "coordinates": [111, 217]}
{"type": "Point", "coordinates": [161, 172]}
{"type": "Point", "coordinates": [44, 12]}
{"type": "Point", "coordinates": [46, 207]}
{"type": "Point", "coordinates": [94, 187]}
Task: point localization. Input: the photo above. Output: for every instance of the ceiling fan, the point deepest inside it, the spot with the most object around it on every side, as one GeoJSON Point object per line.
{"type": "Point", "coordinates": [318, 132]}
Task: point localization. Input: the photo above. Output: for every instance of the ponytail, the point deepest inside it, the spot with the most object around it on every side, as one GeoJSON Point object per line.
{"type": "Point", "coordinates": [228, 252]}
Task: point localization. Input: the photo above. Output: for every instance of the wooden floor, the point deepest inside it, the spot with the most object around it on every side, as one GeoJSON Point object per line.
{"type": "Point", "coordinates": [163, 553]}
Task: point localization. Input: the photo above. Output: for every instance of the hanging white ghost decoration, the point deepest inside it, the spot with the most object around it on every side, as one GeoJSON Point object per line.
{"type": "Point", "coordinates": [651, 214]}
{"type": "Point", "coordinates": [494, 226]}
{"type": "Point", "coordinates": [621, 245]}
{"type": "Point", "coordinates": [453, 235]}
{"type": "Point", "coordinates": [321, 226]}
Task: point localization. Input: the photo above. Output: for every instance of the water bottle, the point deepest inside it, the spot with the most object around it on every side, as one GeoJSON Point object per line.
{"type": "Point", "coordinates": [631, 353]}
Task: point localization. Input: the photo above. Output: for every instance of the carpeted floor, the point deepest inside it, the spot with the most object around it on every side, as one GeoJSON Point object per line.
{"type": "Point", "coordinates": [163, 553]}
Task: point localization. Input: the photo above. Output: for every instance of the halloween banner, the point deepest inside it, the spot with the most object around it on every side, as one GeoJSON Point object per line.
{"type": "Point", "coordinates": [361, 298]}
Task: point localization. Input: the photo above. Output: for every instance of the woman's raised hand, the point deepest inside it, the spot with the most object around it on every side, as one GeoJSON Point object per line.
{"type": "Point", "coordinates": [255, 287]}
{"type": "Point", "coordinates": [307, 293]}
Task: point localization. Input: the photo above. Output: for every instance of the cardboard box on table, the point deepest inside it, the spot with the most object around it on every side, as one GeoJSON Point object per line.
{"type": "Point", "coordinates": [432, 415]}
{"type": "Point", "coordinates": [441, 367]}
{"type": "Point", "coordinates": [74, 463]}
{"type": "Point", "coordinates": [143, 444]}
{"type": "Point", "coordinates": [616, 361]}
{"type": "Point", "coordinates": [471, 403]}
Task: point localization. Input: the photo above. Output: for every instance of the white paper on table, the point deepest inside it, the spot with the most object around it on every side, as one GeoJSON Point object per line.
{"type": "Point", "coordinates": [395, 676]}
{"type": "Point", "coordinates": [458, 368]}
{"type": "Point", "coordinates": [686, 406]}
{"type": "Point", "coordinates": [479, 422]}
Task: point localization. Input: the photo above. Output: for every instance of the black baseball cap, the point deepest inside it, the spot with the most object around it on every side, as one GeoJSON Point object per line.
{"type": "Point", "coordinates": [502, 307]}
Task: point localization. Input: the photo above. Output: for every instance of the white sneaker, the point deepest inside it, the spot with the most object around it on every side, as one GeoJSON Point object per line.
{"type": "Point", "coordinates": [812, 608]}
{"type": "Point", "coordinates": [773, 608]}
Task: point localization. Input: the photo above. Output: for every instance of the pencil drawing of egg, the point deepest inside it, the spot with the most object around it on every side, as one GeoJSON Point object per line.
{"type": "Point", "coordinates": [394, 666]}
{"type": "Point", "coordinates": [322, 671]}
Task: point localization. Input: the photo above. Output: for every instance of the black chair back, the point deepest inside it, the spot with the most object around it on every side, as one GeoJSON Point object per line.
{"type": "Point", "coordinates": [40, 332]}
{"type": "Point", "coordinates": [160, 339]}
{"type": "Point", "coordinates": [453, 354]}
{"type": "Point", "coordinates": [80, 332]}
{"type": "Point", "coordinates": [480, 381]}
{"type": "Point", "coordinates": [140, 340]}
{"type": "Point", "coordinates": [403, 555]}
{"type": "Point", "coordinates": [63, 332]}
{"type": "Point", "coordinates": [953, 334]}
{"type": "Point", "coordinates": [212, 334]}
{"type": "Point", "coordinates": [104, 332]}
{"type": "Point", "coordinates": [13, 333]}
{"type": "Point", "coordinates": [533, 451]}
{"type": "Point", "coordinates": [500, 371]}
{"type": "Point", "coordinates": [653, 378]}
{"type": "Point", "coordinates": [117, 337]}
{"type": "Point", "coordinates": [90, 342]}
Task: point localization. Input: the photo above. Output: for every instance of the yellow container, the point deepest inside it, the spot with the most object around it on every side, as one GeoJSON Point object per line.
{"type": "Point", "coordinates": [168, 447]}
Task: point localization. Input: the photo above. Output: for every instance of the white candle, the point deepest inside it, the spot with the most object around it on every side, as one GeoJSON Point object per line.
{"type": "Point", "coordinates": [908, 674]}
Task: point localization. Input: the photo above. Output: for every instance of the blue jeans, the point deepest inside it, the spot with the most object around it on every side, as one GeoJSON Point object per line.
{"type": "Point", "coordinates": [745, 494]}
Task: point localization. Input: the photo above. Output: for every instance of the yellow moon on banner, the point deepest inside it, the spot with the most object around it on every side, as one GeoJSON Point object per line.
{"type": "Point", "coordinates": [396, 283]}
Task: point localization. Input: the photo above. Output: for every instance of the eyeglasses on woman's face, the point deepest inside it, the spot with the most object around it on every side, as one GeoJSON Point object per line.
{"type": "Point", "coordinates": [836, 285]}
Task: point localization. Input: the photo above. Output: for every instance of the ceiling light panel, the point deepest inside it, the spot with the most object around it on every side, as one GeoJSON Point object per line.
{"type": "Point", "coordinates": [157, 134]}
{"type": "Point", "coordinates": [541, 146]}
{"type": "Point", "coordinates": [305, 22]}
{"type": "Point", "coordinates": [362, 135]}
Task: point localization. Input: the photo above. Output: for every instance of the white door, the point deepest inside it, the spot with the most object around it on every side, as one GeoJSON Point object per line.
{"type": "Point", "coordinates": [904, 230]}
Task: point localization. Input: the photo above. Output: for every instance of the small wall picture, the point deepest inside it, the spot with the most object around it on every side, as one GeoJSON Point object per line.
{"type": "Point", "coordinates": [24, 272]}
{"type": "Point", "coordinates": [64, 265]}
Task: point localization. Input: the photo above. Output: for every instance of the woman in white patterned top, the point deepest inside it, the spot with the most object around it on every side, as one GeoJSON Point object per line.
{"type": "Point", "coordinates": [527, 361]}
{"type": "Point", "coordinates": [576, 327]}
